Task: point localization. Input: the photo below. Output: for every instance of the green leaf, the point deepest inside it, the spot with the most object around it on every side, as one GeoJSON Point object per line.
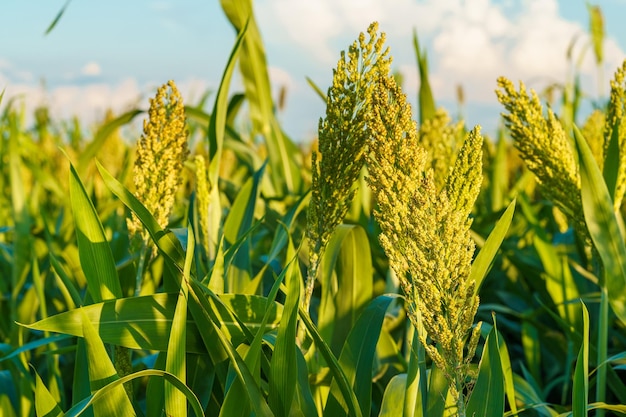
{"type": "Point", "coordinates": [357, 358]}
{"type": "Point", "coordinates": [95, 253]}
{"type": "Point", "coordinates": [175, 403]}
{"type": "Point", "coordinates": [236, 226]}
{"type": "Point", "coordinates": [57, 18]}
{"type": "Point", "coordinates": [603, 227]}
{"type": "Point", "coordinates": [437, 393]}
{"type": "Point", "coordinates": [316, 88]}
{"type": "Point", "coordinates": [101, 373]}
{"type": "Point", "coordinates": [487, 253]}
{"type": "Point", "coordinates": [393, 398]}
{"type": "Point", "coordinates": [283, 376]}
{"type": "Point", "coordinates": [580, 391]}
{"type": "Point", "coordinates": [45, 404]}
{"type": "Point", "coordinates": [167, 242]}
{"type": "Point", "coordinates": [487, 398]}
{"type": "Point", "coordinates": [338, 374]}
{"type": "Point", "coordinates": [201, 311]}
{"type": "Point", "coordinates": [347, 284]}
{"type": "Point", "coordinates": [285, 173]}
{"type": "Point", "coordinates": [96, 397]}
{"type": "Point", "coordinates": [145, 322]}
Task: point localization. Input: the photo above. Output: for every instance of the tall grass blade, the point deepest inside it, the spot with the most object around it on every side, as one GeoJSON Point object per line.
{"type": "Point", "coordinates": [580, 392]}
{"type": "Point", "coordinates": [236, 227]}
{"type": "Point", "coordinates": [285, 173]}
{"type": "Point", "coordinates": [175, 403]}
{"type": "Point", "coordinates": [487, 397]}
{"type": "Point", "coordinates": [145, 322]}
{"type": "Point", "coordinates": [426, 100]}
{"type": "Point", "coordinates": [201, 311]}
{"type": "Point", "coordinates": [57, 18]}
{"type": "Point", "coordinates": [283, 376]}
{"type": "Point", "coordinates": [167, 242]}
{"type": "Point", "coordinates": [603, 227]}
{"type": "Point", "coordinates": [487, 253]}
{"type": "Point", "coordinates": [216, 129]}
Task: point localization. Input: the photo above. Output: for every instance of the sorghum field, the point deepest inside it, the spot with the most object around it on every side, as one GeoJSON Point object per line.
{"type": "Point", "coordinates": [213, 266]}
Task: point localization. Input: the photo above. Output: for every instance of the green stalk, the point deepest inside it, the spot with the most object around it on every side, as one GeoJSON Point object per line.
{"type": "Point", "coordinates": [603, 326]}
{"type": "Point", "coordinates": [460, 402]}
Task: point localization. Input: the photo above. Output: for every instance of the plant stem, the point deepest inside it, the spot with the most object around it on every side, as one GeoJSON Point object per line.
{"type": "Point", "coordinates": [603, 326]}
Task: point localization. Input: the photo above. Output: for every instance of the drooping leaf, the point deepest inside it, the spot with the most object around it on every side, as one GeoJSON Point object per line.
{"type": "Point", "coordinates": [603, 227]}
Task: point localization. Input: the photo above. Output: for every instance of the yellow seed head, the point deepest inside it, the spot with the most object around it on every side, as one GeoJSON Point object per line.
{"type": "Point", "coordinates": [342, 139]}
{"type": "Point", "coordinates": [425, 229]}
{"type": "Point", "coordinates": [161, 152]}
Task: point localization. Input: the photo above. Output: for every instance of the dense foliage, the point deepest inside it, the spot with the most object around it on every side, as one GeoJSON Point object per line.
{"type": "Point", "coordinates": [212, 266]}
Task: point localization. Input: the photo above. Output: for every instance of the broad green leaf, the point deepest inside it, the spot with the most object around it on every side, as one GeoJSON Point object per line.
{"type": "Point", "coordinates": [357, 358]}
{"type": "Point", "coordinates": [528, 397]}
{"type": "Point", "coordinates": [338, 374]}
{"type": "Point", "coordinates": [145, 322]}
{"type": "Point", "coordinates": [487, 398]}
{"type": "Point", "coordinates": [580, 391]}
{"type": "Point", "coordinates": [603, 227]}
{"type": "Point", "coordinates": [347, 284]}
{"type": "Point", "coordinates": [45, 404]}
{"type": "Point", "coordinates": [95, 253]}
{"type": "Point", "coordinates": [6, 406]}
{"type": "Point", "coordinates": [175, 403]}
{"type": "Point", "coordinates": [303, 401]}
{"type": "Point", "coordinates": [393, 398]}
{"type": "Point", "coordinates": [101, 373]}
{"type": "Point", "coordinates": [487, 253]}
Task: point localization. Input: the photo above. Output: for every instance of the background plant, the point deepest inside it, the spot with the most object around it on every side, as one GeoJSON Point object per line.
{"type": "Point", "coordinates": [220, 327]}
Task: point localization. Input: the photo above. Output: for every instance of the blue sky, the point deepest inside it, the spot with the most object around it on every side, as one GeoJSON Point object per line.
{"type": "Point", "coordinates": [113, 54]}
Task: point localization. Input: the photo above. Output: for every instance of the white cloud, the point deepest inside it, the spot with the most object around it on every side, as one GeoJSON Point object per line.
{"type": "Point", "coordinates": [91, 69]}
{"type": "Point", "coordinates": [471, 42]}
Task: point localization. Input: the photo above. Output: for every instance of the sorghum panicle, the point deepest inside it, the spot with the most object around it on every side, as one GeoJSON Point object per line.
{"type": "Point", "coordinates": [342, 136]}
{"type": "Point", "coordinates": [161, 152]}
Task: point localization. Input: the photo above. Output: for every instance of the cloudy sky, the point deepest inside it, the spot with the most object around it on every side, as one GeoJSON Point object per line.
{"type": "Point", "coordinates": [113, 54]}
